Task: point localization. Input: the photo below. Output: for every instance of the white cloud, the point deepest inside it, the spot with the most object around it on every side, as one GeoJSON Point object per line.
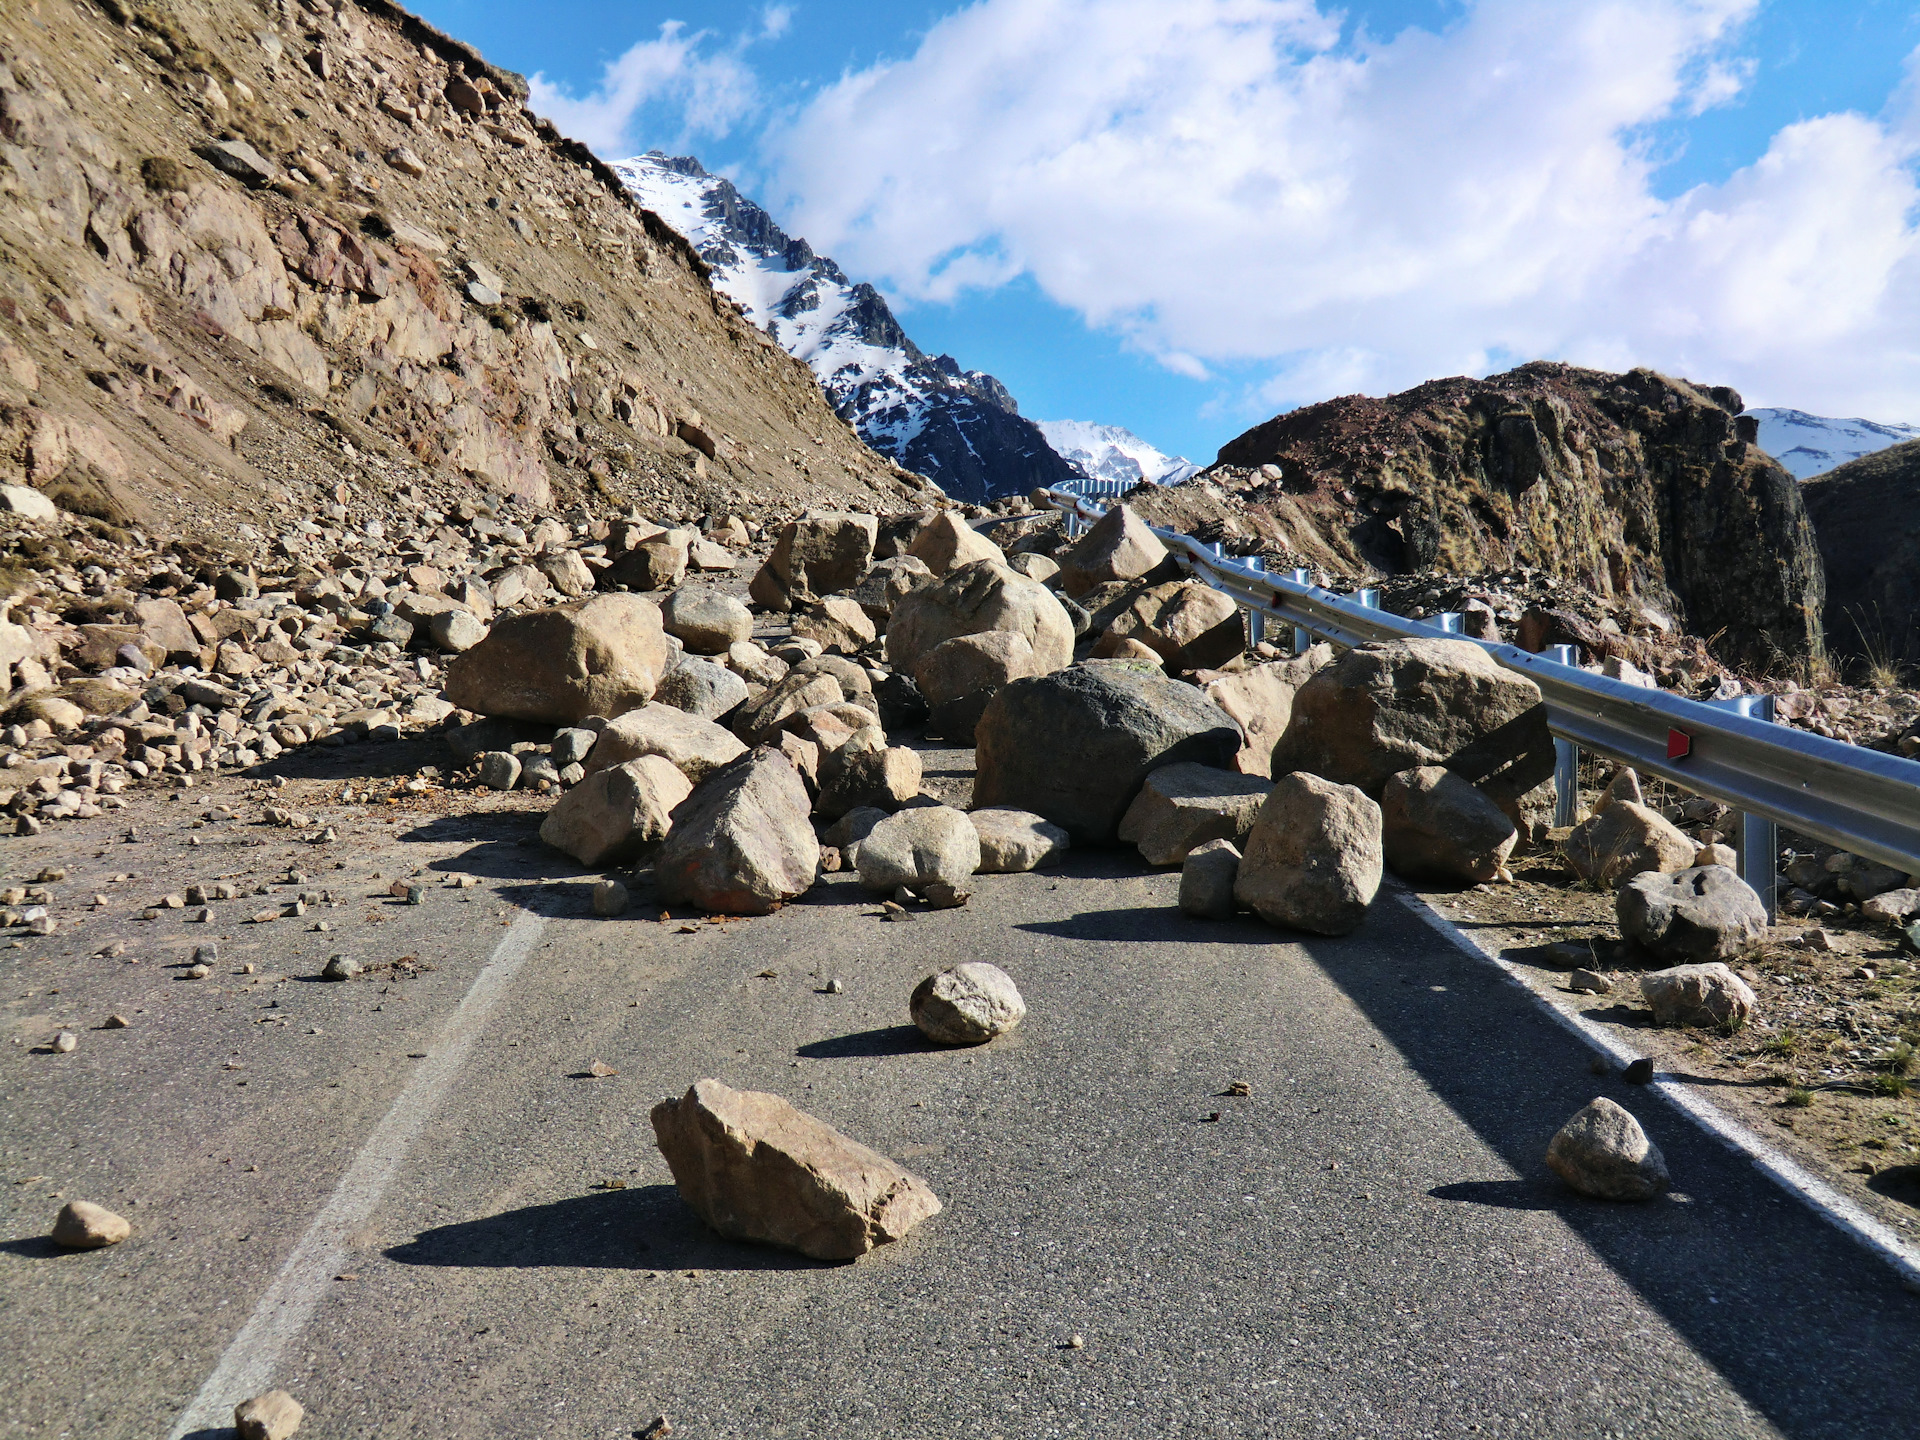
{"type": "Point", "coordinates": [1231, 181]}
{"type": "Point", "coordinates": [704, 91]}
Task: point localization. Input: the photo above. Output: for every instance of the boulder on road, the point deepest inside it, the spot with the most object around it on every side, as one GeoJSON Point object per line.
{"type": "Point", "coordinates": [1260, 699]}
{"type": "Point", "coordinates": [600, 656]}
{"type": "Point", "coordinates": [743, 842]}
{"type": "Point", "coordinates": [1603, 1152]}
{"type": "Point", "coordinates": [1015, 841]}
{"type": "Point", "coordinates": [697, 747]}
{"type": "Point", "coordinates": [1077, 745]}
{"type": "Point", "coordinates": [754, 1168]}
{"type": "Point", "coordinates": [1207, 877]}
{"type": "Point", "coordinates": [1700, 914]}
{"type": "Point", "coordinates": [1707, 995]}
{"type": "Point", "coordinates": [1625, 840]}
{"type": "Point", "coordinates": [705, 621]}
{"type": "Point", "coordinates": [1313, 860]}
{"type": "Point", "coordinates": [1382, 708]}
{"type": "Point", "coordinates": [1118, 546]}
{"type": "Point", "coordinates": [83, 1225]}
{"type": "Point", "coordinates": [882, 586]}
{"type": "Point", "coordinates": [1182, 806]}
{"type": "Point", "coordinates": [1438, 827]}
{"type": "Point", "coordinates": [947, 542]}
{"type": "Point", "coordinates": [272, 1416]}
{"type": "Point", "coordinates": [614, 815]}
{"type": "Point", "coordinates": [855, 776]}
{"type": "Point", "coordinates": [836, 624]}
{"type": "Point", "coordinates": [973, 600]}
{"type": "Point", "coordinates": [967, 1004]}
{"type": "Point", "coordinates": [959, 676]}
{"type": "Point", "coordinates": [762, 716]}
{"type": "Point", "coordinates": [923, 845]}
{"type": "Point", "coordinates": [821, 553]}
{"type": "Point", "coordinates": [701, 688]}
{"type": "Point", "coordinates": [1188, 625]}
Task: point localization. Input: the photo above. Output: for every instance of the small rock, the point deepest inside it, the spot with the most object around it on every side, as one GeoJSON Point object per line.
{"type": "Point", "coordinates": [499, 770]}
{"type": "Point", "coordinates": [66, 1042]}
{"type": "Point", "coordinates": [835, 987]}
{"type": "Point", "coordinates": [272, 1416]}
{"type": "Point", "coordinates": [1817, 939]}
{"type": "Point", "coordinates": [1207, 876]}
{"type": "Point", "coordinates": [116, 1022]}
{"type": "Point", "coordinates": [1708, 994]}
{"type": "Point", "coordinates": [1638, 1072]}
{"type": "Point", "coordinates": [1603, 1152]}
{"type": "Point", "coordinates": [1589, 982]}
{"type": "Point", "coordinates": [198, 972]}
{"type": "Point", "coordinates": [610, 898]}
{"type": "Point", "coordinates": [967, 1004]}
{"type": "Point", "coordinates": [1015, 841]}
{"type": "Point", "coordinates": [82, 1225]}
{"type": "Point", "coordinates": [340, 967]}
{"type": "Point", "coordinates": [917, 847]}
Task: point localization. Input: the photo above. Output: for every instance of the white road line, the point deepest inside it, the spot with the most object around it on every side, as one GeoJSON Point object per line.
{"type": "Point", "coordinates": [1828, 1202]}
{"type": "Point", "coordinates": [251, 1361]}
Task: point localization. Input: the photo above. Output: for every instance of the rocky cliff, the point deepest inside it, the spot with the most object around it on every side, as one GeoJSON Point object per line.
{"type": "Point", "coordinates": [1866, 514]}
{"type": "Point", "coordinates": [259, 257]}
{"type": "Point", "coordinates": [1636, 486]}
{"type": "Point", "coordinates": [961, 428]}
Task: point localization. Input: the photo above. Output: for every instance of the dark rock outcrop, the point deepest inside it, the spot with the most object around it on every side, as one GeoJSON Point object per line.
{"type": "Point", "coordinates": [1633, 485]}
{"type": "Point", "coordinates": [1866, 515]}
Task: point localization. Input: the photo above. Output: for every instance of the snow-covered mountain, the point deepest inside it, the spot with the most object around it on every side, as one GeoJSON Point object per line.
{"type": "Point", "coordinates": [958, 427]}
{"type": "Point", "coordinates": [1107, 452]}
{"type": "Point", "coordinates": [1810, 445]}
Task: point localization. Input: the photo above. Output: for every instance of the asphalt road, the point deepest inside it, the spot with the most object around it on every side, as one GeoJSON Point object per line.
{"type": "Point", "coordinates": [1367, 1245]}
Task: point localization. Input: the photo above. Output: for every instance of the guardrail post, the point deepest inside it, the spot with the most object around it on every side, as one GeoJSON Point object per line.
{"type": "Point", "coordinates": [1367, 599]}
{"type": "Point", "coordinates": [1756, 838]}
{"type": "Point", "coordinates": [1449, 621]}
{"type": "Point", "coordinates": [1302, 641]}
{"type": "Point", "coordinates": [1566, 757]}
{"type": "Point", "coordinates": [1256, 619]}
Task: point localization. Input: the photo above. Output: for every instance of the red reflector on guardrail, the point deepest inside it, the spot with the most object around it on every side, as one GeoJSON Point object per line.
{"type": "Point", "coordinates": [1679, 744]}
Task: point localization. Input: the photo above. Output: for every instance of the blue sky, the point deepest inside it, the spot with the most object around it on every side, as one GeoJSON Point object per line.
{"type": "Point", "coordinates": [1718, 188]}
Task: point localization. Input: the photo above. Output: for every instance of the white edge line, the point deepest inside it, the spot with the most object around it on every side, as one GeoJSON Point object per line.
{"type": "Point", "coordinates": [1826, 1201]}
{"type": "Point", "coordinates": [248, 1364]}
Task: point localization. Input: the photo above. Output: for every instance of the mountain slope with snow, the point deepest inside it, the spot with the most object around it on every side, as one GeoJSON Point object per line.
{"type": "Point", "coordinates": [1809, 445]}
{"type": "Point", "coordinates": [1108, 452]}
{"type": "Point", "coordinates": [958, 427]}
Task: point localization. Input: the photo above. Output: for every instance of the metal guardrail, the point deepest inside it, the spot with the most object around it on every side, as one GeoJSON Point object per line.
{"type": "Point", "coordinates": [1091, 489]}
{"type": "Point", "coordinates": [1860, 800]}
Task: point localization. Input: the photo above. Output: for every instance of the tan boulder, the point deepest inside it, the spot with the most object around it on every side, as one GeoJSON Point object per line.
{"type": "Point", "coordinates": [959, 676]}
{"type": "Point", "coordinates": [1014, 841]}
{"type": "Point", "coordinates": [1437, 826]}
{"type": "Point", "coordinates": [705, 621]}
{"type": "Point", "coordinates": [855, 776]}
{"type": "Point", "coordinates": [1603, 1152]}
{"type": "Point", "coordinates": [836, 623]}
{"type": "Point", "coordinates": [1185, 805]}
{"type": "Point", "coordinates": [1707, 995]}
{"type": "Point", "coordinates": [614, 815]}
{"type": "Point", "coordinates": [948, 542]}
{"type": "Point", "coordinates": [83, 1225]}
{"type": "Point", "coordinates": [919, 846]}
{"type": "Point", "coordinates": [567, 572]}
{"type": "Point", "coordinates": [761, 717]}
{"type": "Point", "coordinates": [973, 600]}
{"type": "Point", "coordinates": [1188, 625]}
{"type": "Point", "coordinates": [1313, 859]}
{"type": "Point", "coordinates": [1260, 698]}
{"type": "Point", "coordinates": [599, 656]}
{"type": "Point", "coordinates": [743, 842]}
{"type": "Point", "coordinates": [755, 1168]}
{"type": "Point", "coordinates": [1625, 840]}
{"type": "Point", "coordinates": [1118, 546]}
{"type": "Point", "coordinates": [821, 553]}
{"type": "Point", "coordinates": [694, 746]}
{"type": "Point", "coordinates": [272, 1416]}
{"type": "Point", "coordinates": [163, 624]}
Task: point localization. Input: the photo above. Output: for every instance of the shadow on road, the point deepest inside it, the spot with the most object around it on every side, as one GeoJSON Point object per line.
{"type": "Point", "coordinates": [1505, 1194]}
{"type": "Point", "coordinates": [645, 1228]}
{"type": "Point", "coordinates": [865, 1044]}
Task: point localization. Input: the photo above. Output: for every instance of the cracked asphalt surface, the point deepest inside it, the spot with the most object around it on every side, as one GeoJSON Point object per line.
{"type": "Point", "coordinates": [1367, 1244]}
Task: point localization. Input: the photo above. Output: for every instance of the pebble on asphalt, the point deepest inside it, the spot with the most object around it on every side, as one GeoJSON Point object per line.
{"type": "Point", "coordinates": [66, 1042]}
{"type": "Point", "coordinates": [340, 967]}
{"type": "Point", "coordinates": [116, 1022]}
{"type": "Point", "coordinates": [82, 1225]}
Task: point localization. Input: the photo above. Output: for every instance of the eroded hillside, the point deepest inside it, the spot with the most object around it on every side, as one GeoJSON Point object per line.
{"type": "Point", "coordinates": [259, 258]}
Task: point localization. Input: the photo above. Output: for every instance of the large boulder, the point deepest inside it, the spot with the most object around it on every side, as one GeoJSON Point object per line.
{"type": "Point", "coordinates": [1383, 708]}
{"type": "Point", "coordinates": [959, 676]}
{"type": "Point", "coordinates": [947, 542]}
{"type": "Point", "coordinates": [1624, 840]}
{"type": "Point", "coordinates": [613, 816]}
{"type": "Point", "coordinates": [1702, 913]}
{"type": "Point", "coordinates": [762, 716]}
{"type": "Point", "coordinates": [1190, 626]}
{"type": "Point", "coordinates": [821, 553]}
{"type": "Point", "coordinates": [920, 846]}
{"type": "Point", "coordinates": [1077, 745]}
{"type": "Point", "coordinates": [975, 599]}
{"type": "Point", "coordinates": [836, 623]}
{"type": "Point", "coordinates": [743, 842]}
{"type": "Point", "coordinates": [1313, 859]}
{"type": "Point", "coordinates": [1438, 827]}
{"type": "Point", "coordinates": [1118, 546]}
{"type": "Point", "coordinates": [1260, 699]}
{"type": "Point", "coordinates": [1603, 1152]}
{"type": "Point", "coordinates": [701, 688]}
{"type": "Point", "coordinates": [1013, 841]}
{"type": "Point", "coordinates": [1182, 806]}
{"type": "Point", "coordinates": [599, 656]}
{"type": "Point", "coordinates": [883, 585]}
{"type": "Point", "coordinates": [855, 776]}
{"type": "Point", "coordinates": [967, 1004]}
{"type": "Point", "coordinates": [1705, 995]}
{"type": "Point", "coordinates": [705, 621]}
{"type": "Point", "coordinates": [754, 1168]}
{"type": "Point", "coordinates": [695, 746]}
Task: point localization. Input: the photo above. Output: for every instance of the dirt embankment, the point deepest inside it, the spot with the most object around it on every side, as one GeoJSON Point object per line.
{"type": "Point", "coordinates": [246, 247]}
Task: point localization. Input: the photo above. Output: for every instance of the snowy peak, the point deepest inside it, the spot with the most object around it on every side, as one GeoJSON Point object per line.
{"type": "Point", "coordinates": [1809, 445]}
{"type": "Point", "coordinates": [1107, 452]}
{"type": "Point", "coordinates": [959, 427]}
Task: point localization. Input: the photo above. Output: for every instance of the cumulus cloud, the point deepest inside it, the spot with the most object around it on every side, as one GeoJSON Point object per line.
{"type": "Point", "coordinates": [678, 80]}
{"type": "Point", "coordinates": [1235, 182]}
